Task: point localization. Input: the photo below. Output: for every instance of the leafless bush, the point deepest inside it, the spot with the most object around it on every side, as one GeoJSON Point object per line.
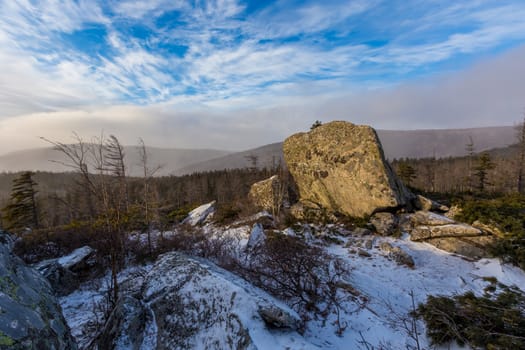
{"type": "Point", "coordinates": [303, 275]}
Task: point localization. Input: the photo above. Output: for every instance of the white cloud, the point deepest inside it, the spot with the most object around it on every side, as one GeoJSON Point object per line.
{"type": "Point", "coordinates": [238, 72]}
{"type": "Point", "coordinates": [491, 93]}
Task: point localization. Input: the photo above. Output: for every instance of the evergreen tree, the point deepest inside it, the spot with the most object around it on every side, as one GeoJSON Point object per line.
{"type": "Point", "coordinates": [407, 173]}
{"type": "Point", "coordinates": [469, 147]}
{"type": "Point", "coordinates": [21, 211]}
{"type": "Point", "coordinates": [316, 124]}
{"type": "Point", "coordinates": [484, 165]}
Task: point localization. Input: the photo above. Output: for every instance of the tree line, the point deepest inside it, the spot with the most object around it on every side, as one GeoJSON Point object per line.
{"type": "Point", "coordinates": [495, 171]}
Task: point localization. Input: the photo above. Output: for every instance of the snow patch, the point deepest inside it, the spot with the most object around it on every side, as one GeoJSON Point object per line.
{"type": "Point", "coordinates": [200, 214]}
{"type": "Point", "coordinates": [75, 257]}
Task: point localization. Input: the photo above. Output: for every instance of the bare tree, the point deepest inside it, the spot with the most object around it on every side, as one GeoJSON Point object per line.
{"type": "Point", "coordinates": [147, 200]}
{"type": "Point", "coordinates": [102, 170]}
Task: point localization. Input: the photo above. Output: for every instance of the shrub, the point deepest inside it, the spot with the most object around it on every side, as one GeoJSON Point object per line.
{"type": "Point", "coordinates": [303, 275]}
{"type": "Point", "coordinates": [490, 321]}
{"type": "Point", "coordinates": [227, 213]}
{"type": "Point", "coordinates": [507, 213]}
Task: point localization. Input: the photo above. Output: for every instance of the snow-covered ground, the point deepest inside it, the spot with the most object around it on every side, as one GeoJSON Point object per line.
{"type": "Point", "coordinates": [388, 287]}
{"type": "Point", "coordinates": [384, 288]}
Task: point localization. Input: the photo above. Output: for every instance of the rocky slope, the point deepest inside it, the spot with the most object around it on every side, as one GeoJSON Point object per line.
{"type": "Point", "coordinates": [30, 317]}
{"type": "Point", "coordinates": [182, 302]}
{"type": "Point", "coordinates": [189, 303]}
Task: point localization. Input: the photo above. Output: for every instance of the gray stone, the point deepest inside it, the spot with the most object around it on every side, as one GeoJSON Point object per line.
{"type": "Point", "coordinates": [341, 167]}
{"type": "Point", "coordinates": [446, 234]}
{"type": "Point", "coordinates": [190, 303]}
{"type": "Point", "coordinates": [66, 273]}
{"type": "Point", "coordinates": [472, 247]}
{"type": "Point", "coordinates": [421, 233]}
{"type": "Point", "coordinates": [200, 215]}
{"type": "Point", "coordinates": [257, 236]}
{"type": "Point", "coordinates": [424, 203]}
{"type": "Point", "coordinates": [385, 223]}
{"type": "Point", "coordinates": [277, 317]}
{"type": "Point", "coordinates": [397, 254]}
{"type": "Point", "coordinates": [363, 253]}
{"type": "Point", "coordinates": [430, 219]}
{"type": "Point", "coordinates": [30, 316]}
{"type": "Point", "coordinates": [268, 194]}
{"type": "Point", "coordinates": [360, 232]}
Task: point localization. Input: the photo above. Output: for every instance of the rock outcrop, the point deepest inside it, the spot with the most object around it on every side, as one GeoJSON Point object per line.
{"type": "Point", "coordinates": [267, 194]}
{"type": "Point", "coordinates": [200, 215]}
{"type": "Point", "coordinates": [449, 235]}
{"type": "Point", "coordinates": [341, 167]}
{"type": "Point", "coordinates": [189, 303]}
{"type": "Point", "coordinates": [30, 317]}
{"type": "Point", "coordinates": [66, 273]}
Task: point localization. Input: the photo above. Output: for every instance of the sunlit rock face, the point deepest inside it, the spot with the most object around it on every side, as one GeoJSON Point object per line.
{"type": "Point", "coordinates": [341, 167]}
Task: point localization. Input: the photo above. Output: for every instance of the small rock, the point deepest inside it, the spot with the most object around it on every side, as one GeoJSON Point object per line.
{"type": "Point", "coordinates": [257, 236]}
{"type": "Point", "coordinates": [276, 317]}
{"type": "Point", "coordinates": [369, 243]}
{"type": "Point", "coordinates": [384, 223]}
{"type": "Point", "coordinates": [360, 231]}
{"type": "Point", "coordinates": [421, 233]}
{"type": "Point", "coordinates": [397, 254]}
{"type": "Point", "coordinates": [424, 203]}
{"type": "Point", "coordinates": [199, 215]}
{"type": "Point", "coordinates": [363, 253]}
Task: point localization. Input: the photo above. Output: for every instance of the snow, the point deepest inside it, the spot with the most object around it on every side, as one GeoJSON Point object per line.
{"type": "Point", "coordinates": [83, 309]}
{"type": "Point", "coordinates": [199, 215]}
{"type": "Point", "coordinates": [388, 287]}
{"type": "Point", "coordinates": [75, 257]}
{"type": "Point", "coordinates": [384, 286]}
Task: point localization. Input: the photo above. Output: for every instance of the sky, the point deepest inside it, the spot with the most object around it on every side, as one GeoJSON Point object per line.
{"type": "Point", "coordinates": [232, 75]}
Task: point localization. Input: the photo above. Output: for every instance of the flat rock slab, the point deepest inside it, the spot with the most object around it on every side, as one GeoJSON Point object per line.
{"type": "Point", "coordinates": [421, 233]}
{"type": "Point", "coordinates": [430, 219]}
{"type": "Point", "coordinates": [472, 247]}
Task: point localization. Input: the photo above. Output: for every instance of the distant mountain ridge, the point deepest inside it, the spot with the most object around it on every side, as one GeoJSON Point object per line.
{"type": "Point", "coordinates": [170, 160]}
{"type": "Point", "coordinates": [396, 144]}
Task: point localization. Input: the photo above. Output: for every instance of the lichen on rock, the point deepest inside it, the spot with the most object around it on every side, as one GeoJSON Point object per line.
{"type": "Point", "coordinates": [341, 167]}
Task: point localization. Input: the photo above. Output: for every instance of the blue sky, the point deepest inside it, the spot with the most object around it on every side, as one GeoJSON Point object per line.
{"type": "Point", "coordinates": [179, 69]}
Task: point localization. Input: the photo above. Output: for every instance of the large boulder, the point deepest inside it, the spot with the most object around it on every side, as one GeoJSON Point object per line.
{"type": "Point", "coordinates": [30, 317]}
{"type": "Point", "coordinates": [189, 303]}
{"type": "Point", "coordinates": [341, 167]}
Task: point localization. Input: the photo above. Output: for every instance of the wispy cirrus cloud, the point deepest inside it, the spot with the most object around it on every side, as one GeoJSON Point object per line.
{"type": "Point", "coordinates": [217, 57]}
